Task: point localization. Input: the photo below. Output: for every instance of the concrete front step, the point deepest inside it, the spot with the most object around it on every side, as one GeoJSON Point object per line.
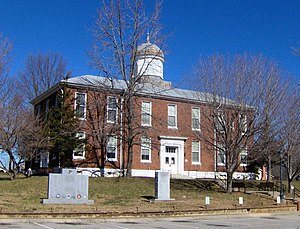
{"type": "Point", "coordinates": [183, 177]}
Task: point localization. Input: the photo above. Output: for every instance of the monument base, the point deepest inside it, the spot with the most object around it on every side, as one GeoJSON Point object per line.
{"type": "Point", "coordinates": [60, 201]}
{"type": "Point", "coordinates": [166, 200]}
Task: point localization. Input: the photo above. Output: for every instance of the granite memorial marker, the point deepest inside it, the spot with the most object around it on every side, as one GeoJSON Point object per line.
{"type": "Point", "coordinates": [162, 185]}
{"type": "Point", "coordinates": [67, 188]}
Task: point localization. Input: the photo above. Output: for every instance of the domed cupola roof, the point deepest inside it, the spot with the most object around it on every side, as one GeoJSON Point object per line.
{"type": "Point", "coordinates": [149, 61]}
{"type": "Point", "coordinates": [149, 49]}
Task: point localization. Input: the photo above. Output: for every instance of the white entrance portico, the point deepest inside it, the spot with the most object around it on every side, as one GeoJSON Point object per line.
{"type": "Point", "coordinates": [172, 154]}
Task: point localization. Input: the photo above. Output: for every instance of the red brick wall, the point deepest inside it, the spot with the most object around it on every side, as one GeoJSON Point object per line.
{"type": "Point", "coordinates": [159, 128]}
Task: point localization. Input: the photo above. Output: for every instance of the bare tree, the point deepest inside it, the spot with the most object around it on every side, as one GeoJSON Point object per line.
{"type": "Point", "coordinates": [40, 73]}
{"type": "Point", "coordinates": [98, 130]}
{"type": "Point", "coordinates": [13, 126]}
{"type": "Point", "coordinates": [5, 48]}
{"type": "Point", "coordinates": [242, 93]}
{"type": "Point", "coordinates": [290, 136]}
{"type": "Point", "coordinates": [120, 28]}
{"type": "Point", "coordinates": [34, 142]}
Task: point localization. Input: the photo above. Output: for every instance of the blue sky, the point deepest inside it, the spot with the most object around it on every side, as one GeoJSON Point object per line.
{"type": "Point", "coordinates": [195, 28]}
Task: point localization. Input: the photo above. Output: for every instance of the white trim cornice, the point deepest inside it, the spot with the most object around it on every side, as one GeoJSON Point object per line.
{"type": "Point", "coordinates": [173, 138]}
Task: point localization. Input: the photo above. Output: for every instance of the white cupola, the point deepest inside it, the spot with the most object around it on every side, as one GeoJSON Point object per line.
{"type": "Point", "coordinates": [149, 60]}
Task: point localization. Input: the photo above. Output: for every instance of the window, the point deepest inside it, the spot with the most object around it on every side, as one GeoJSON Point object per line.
{"type": "Point", "coordinates": [80, 105]}
{"type": "Point", "coordinates": [112, 109]}
{"type": "Point", "coordinates": [145, 149]}
{"type": "Point", "coordinates": [111, 148]}
{"type": "Point", "coordinates": [195, 152]}
{"type": "Point", "coordinates": [170, 159]}
{"type": "Point", "coordinates": [195, 119]}
{"type": "Point", "coordinates": [39, 108]}
{"type": "Point", "coordinates": [146, 113]}
{"type": "Point", "coordinates": [79, 152]}
{"type": "Point", "coordinates": [244, 157]}
{"type": "Point", "coordinates": [47, 106]}
{"type": "Point", "coordinates": [172, 116]}
{"type": "Point", "coordinates": [56, 101]}
{"type": "Point", "coordinates": [221, 155]}
{"type": "Point", "coordinates": [220, 122]}
{"type": "Point", "coordinates": [243, 123]}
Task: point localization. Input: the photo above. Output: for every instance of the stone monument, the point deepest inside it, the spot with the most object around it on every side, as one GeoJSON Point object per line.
{"type": "Point", "coordinates": [68, 187]}
{"type": "Point", "coordinates": [162, 185]}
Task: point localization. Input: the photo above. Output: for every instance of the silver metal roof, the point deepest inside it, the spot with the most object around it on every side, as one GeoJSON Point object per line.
{"type": "Point", "coordinates": [157, 89]}
{"type": "Point", "coordinates": [146, 89]}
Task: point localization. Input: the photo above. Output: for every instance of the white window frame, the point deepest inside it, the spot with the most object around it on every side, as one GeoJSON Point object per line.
{"type": "Point", "coordinates": [196, 128]}
{"type": "Point", "coordinates": [39, 110]}
{"type": "Point", "coordinates": [195, 150]}
{"type": "Point", "coordinates": [83, 117]}
{"type": "Point", "coordinates": [146, 112]}
{"type": "Point", "coordinates": [220, 151]}
{"type": "Point", "coordinates": [112, 109]}
{"type": "Point", "coordinates": [244, 152]}
{"type": "Point", "coordinates": [172, 115]}
{"type": "Point", "coordinates": [220, 122]}
{"type": "Point", "coordinates": [56, 101]}
{"type": "Point", "coordinates": [47, 106]}
{"type": "Point", "coordinates": [145, 145]}
{"type": "Point", "coordinates": [243, 124]}
{"type": "Point", "coordinates": [81, 148]}
{"type": "Point", "coordinates": [112, 141]}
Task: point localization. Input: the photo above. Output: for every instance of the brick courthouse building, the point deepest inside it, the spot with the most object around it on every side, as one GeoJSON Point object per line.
{"type": "Point", "coordinates": [167, 123]}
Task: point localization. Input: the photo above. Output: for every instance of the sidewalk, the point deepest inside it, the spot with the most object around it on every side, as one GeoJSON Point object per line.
{"type": "Point", "coordinates": [107, 215]}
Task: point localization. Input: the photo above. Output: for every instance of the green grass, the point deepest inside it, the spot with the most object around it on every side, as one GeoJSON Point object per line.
{"type": "Point", "coordinates": [121, 195]}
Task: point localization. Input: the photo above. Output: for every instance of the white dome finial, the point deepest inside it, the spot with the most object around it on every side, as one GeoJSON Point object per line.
{"type": "Point", "coordinates": [148, 37]}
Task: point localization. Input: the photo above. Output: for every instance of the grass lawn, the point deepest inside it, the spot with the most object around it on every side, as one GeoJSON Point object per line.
{"type": "Point", "coordinates": [122, 195]}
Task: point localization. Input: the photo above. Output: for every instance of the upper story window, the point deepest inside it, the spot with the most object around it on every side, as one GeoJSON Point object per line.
{"type": "Point", "coordinates": [146, 113]}
{"type": "Point", "coordinates": [196, 152]}
{"type": "Point", "coordinates": [243, 123]}
{"type": "Point", "coordinates": [172, 116]}
{"type": "Point", "coordinates": [112, 109]}
{"type": "Point", "coordinates": [111, 148]}
{"type": "Point", "coordinates": [47, 106]}
{"type": "Point", "coordinates": [57, 100]}
{"type": "Point", "coordinates": [39, 110]}
{"type": "Point", "coordinates": [80, 105]}
{"type": "Point", "coordinates": [244, 157]}
{"type": "Point", "coordinates": [221, 155]}
{"type": "Point", "coordinates": [220, 122]}
{"type": "Point", "coordinates": [146, 149]}
{"type": "Point", "coordinates": [79, 152]}
{"type": "Point", "coordinates": [195, 118]}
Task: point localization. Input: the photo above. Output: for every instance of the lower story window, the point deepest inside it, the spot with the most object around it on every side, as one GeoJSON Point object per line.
{"type": "Point", "coordinates": [195, 152]}
{"type": "Point", "coordinates": [111, 148]}
{"type": "Point", "coordinates": [221, 155]}
{"type": "Point", "coordinates": [244, 157]}
{"type": "Point", "coordinates": [79, 152]}
{"type": "Point", "coordinates": [145, 149]}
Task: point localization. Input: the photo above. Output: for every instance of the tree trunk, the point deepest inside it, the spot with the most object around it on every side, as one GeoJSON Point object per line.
{"type": "Point", "coordinates": [289, 184]}
{"type": "Point", "coordinates": [102, 159]}
{"type": "Point", "coordinates": [130, 137]}
{"type": "Point", "coordinates": [229, 182]}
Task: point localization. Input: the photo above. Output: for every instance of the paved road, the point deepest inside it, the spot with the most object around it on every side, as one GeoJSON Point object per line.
{"type": "Point", "coordinates": [273, 221]}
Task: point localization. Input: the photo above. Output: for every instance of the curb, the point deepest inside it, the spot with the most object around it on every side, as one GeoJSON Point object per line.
{"type": "Point", "coordinates": [107, 215]}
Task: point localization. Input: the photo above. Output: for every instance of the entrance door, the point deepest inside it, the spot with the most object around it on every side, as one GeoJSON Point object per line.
{"type": "Point", "coordinates": [170, 161]}
{"type": "Point", "coordinates": [172, 154]}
